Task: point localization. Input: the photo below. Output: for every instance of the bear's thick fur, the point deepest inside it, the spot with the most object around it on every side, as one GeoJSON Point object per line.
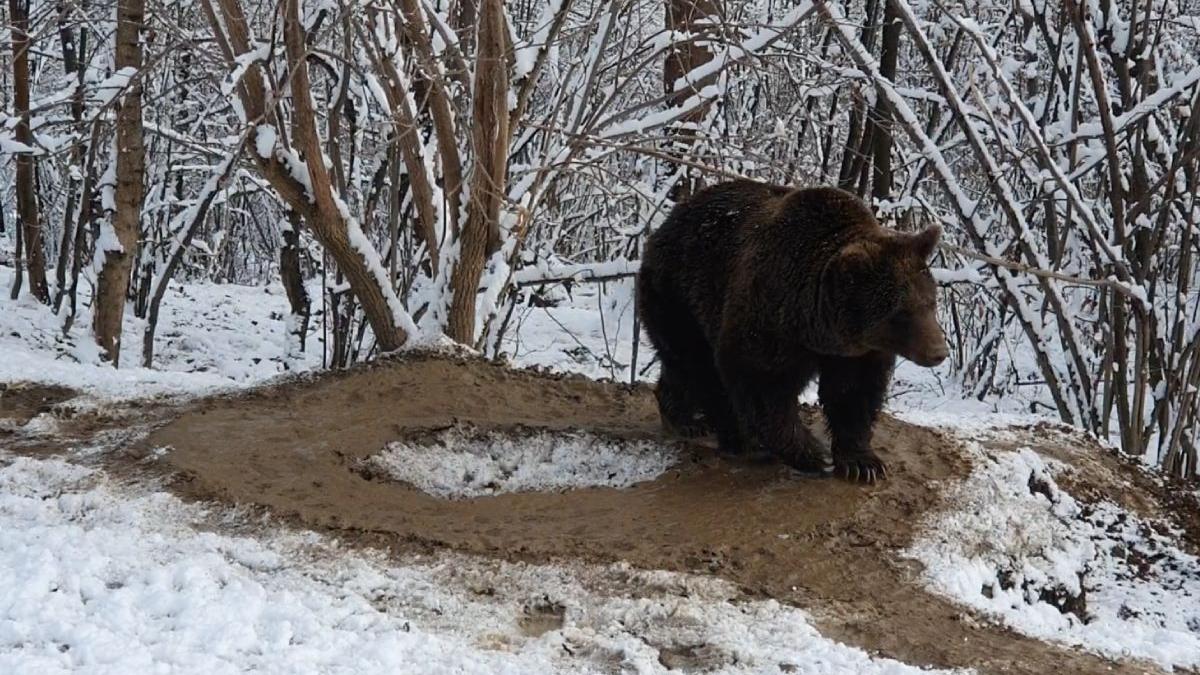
{"type": "Point", "coordinates": [749, 290]}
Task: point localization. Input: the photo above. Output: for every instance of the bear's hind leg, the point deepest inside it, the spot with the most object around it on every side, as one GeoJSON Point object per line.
{"type": "Point", "coordinates": [714, 401]}
{"type": "Point", "coordinates": [851, 392]}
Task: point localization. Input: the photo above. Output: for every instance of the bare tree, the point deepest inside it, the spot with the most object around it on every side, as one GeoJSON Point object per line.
{"type": "Point", "coordinates": [300, 176]}
{"type": "Point", "coordinates": [489, 140]}
{"type": "Point", "coordinates": [30, 225]}
{"type": "Point", "coordinates": [114, 253]}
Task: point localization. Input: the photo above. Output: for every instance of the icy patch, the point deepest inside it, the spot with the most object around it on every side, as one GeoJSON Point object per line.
{"type": "Point", "coordinates": [116, 580]}
{"type": "Point", "coordinates": [462, 462]}
{"type": "Point", "coordinates": [1017, 547]}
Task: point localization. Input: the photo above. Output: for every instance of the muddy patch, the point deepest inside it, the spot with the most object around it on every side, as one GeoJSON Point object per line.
{"type": "Point", "coordinates": [699, 658]}
{"type": "Point", "coordinates": [21, 401]}
{"type": "Point", "coordinates": [826, 545]}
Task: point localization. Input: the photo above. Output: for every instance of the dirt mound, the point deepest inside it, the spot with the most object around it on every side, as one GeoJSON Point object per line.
{"type": "Point", "coordinates": [826, 545]}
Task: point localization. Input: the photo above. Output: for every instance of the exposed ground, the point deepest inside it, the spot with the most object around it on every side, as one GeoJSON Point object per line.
{"type": "Point", "coordinates": [295, 448]}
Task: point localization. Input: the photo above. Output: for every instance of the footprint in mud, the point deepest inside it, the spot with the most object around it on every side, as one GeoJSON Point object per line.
{"type": "Point", "coordinates": [542, 617]}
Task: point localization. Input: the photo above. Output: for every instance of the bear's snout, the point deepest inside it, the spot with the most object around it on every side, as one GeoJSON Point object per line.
{"type": "Point", "coordinates": [934, 356]}
{"type": "Point", "coordinates": [928, 347]}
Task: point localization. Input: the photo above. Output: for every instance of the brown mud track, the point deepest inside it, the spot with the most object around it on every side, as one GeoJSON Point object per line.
{"type": "Point", "coordinates": [20, 403]}
{"type": "Point", "coordinates": [825, 545]}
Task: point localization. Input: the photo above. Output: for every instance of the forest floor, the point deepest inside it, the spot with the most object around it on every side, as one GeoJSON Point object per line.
{"type": "Point", "coordinates": [438, 512]}
{"type": "Point", "coordinates": [295, 456]}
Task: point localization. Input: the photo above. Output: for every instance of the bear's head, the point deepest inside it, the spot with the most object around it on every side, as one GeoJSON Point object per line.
{"type": "Point", "coordinates": [882, 297]}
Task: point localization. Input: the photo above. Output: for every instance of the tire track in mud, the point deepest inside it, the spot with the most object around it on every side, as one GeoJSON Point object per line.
{"type": "Point", "coordinates": [827, 546]}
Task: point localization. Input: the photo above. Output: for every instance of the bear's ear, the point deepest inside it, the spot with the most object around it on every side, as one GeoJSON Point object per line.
{"type": "Point", "coordinates": [856, 270]}
{"type": "Point", "coordinates": [853, 260]}
{"type": "Point", "coordinates": [925, 241]}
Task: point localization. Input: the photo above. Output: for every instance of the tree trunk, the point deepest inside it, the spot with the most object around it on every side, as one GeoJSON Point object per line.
{"type": "Point", "coordinates": [293, 284]}
{"type": "Point", "coordinates": [881, 115]}
{"type": "Point", "coordinates": [490, 140]}
{"type": "Point", "coordinates": [85, 224]}
{"type": "Point", "coordinates": [697, 18]}
{"type": "Point", "coordinates": [72, 57]}
{"type": "Point", "coordinates": [113, 282]}
{"type": "Point", "coordinates": [27, 206]}
{"type": "Point", "coordinates": [856, 154]}
{"type": "Point", "coordinates": [464, 22]}
{"type": "Point", "coordinates": [355, 256]}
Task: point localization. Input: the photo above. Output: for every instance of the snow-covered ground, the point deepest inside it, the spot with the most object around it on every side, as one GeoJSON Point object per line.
{"type": "Point", "coordinates": [465, 462]}
{"type": "Point", "coordinates": [1017, 547]}
{"type": "Point", "coordinates": [209, 337]}
{"type": "Point", "coordinates": [105, 577]}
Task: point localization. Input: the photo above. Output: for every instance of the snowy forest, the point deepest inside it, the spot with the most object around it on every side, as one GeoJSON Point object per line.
{"type": "Point", "coordinates": [439, 164]}
{"type": "Point", "coordinates": [472, 151]}
{"type": "Point", "coordinates": [321, 348]}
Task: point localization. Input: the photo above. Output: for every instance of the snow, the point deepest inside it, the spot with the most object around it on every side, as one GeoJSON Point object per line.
{"type": "Point", "coordinates": [589, 331]}
{"type": "Point", "coordinates": [242, 63]}
{"type": "Point", "coordinates": [264, 141]}
{"type": "Point", "coordinates": [9, 146]}
{"type": "Point", "coordinates": [525, 53]}
{"type": "Point", "coordinates": [111, 579]}
{"type": "Point", "coordinates": [210, 337]}
{"type": "Point", "coordinates": [465, 462]}
{"type": "Point", "coordinates": [113, 85]}
{"type": "Point", "coordinates": [1018, 548]}
{"type": "Point", "coordinates": [544, 270]}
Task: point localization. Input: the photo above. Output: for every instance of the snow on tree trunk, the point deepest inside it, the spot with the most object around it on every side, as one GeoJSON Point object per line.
{"type": "Point", "coordinates": [114, 253]}
{"type": "Point", "coordinates": [27, 200]}
{"type": "Point", "coordinates": [489, 139]}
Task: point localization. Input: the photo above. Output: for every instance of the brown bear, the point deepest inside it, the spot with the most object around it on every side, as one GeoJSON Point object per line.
{"type": "Point", "coordinates": [749, 290]}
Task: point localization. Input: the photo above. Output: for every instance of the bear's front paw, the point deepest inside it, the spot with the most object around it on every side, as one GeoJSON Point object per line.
{"type": "Point", "coordinates": [860, 467]}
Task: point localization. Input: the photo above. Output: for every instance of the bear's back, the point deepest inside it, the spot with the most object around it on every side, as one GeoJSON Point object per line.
{"type": "Point", "coordinates": [693, 254]}
{"type": "Point", "coordinates": [769, 239]}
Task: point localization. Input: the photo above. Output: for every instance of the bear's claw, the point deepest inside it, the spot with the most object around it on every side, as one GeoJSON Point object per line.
{"type": "Point", "coordinates": [864, 468]}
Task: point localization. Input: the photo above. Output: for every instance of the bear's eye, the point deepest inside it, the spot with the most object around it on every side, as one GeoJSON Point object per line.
{"type": "Point", "coordinates": [901, 319]}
